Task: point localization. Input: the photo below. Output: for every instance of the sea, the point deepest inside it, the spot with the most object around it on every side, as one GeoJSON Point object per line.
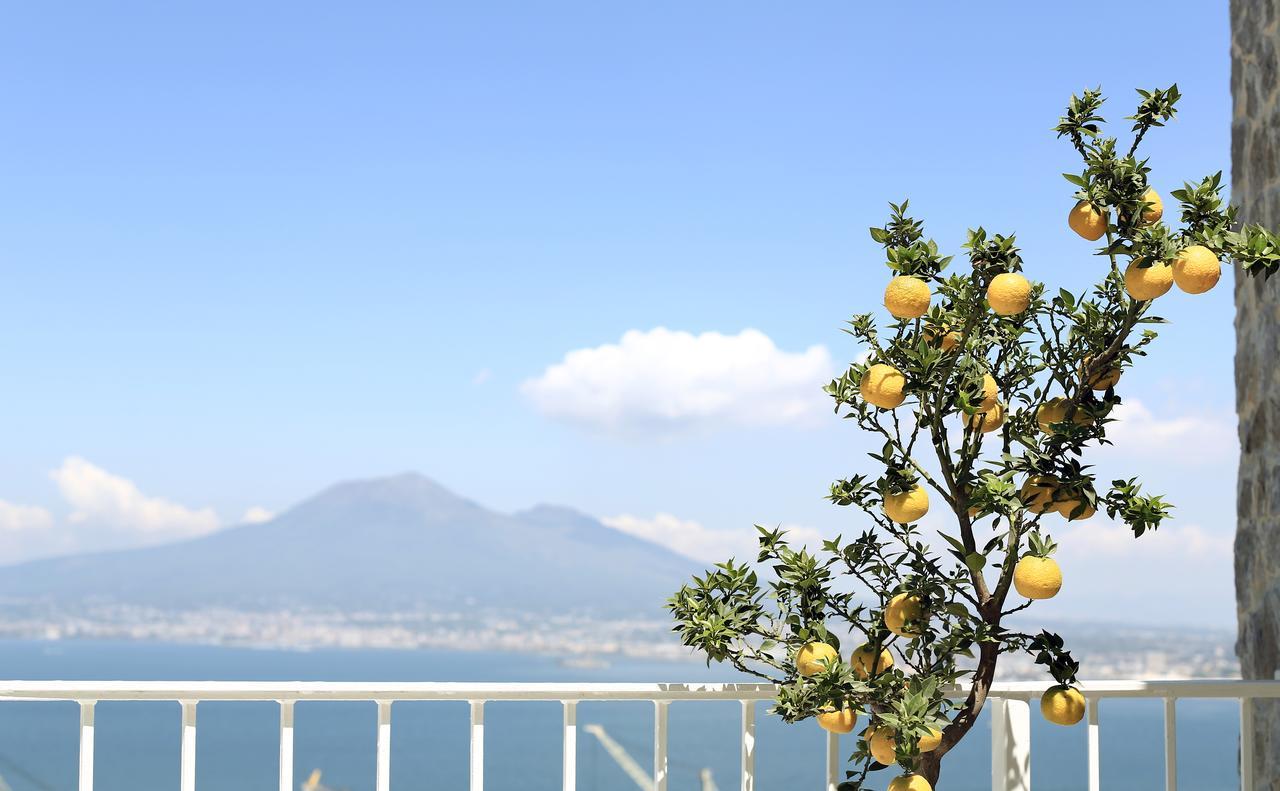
{"type": "Point", "coordinates": [137, 743]}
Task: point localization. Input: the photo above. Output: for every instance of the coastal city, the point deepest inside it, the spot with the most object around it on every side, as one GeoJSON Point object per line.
{"type": "Point", "coordinates": [1105, 651]}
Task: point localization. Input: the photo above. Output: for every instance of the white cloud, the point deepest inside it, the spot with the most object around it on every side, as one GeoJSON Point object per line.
{"type": "Point", "coordinates": [1099, 538]}
{"type": "Point", "coordinates": [694, 540]}
{"type": "Point", "coordinates": [256, 515]}
{"type": "Point", "coordinates": [482, 376]}
{"type": "Point", "coordinates": [1179, 574]}
{"type": "Point", "coordinates": [100, 498]}
{"type": "Point", "coordinates": [665, 381]}
{"type": "Point", "coordinates": [1194, 438]}
{"type": "Point", "coordinates": [18, 518]}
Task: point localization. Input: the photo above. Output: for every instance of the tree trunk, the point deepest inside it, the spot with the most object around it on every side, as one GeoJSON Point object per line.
{"type": "Point", "coordinates": [931, 763]}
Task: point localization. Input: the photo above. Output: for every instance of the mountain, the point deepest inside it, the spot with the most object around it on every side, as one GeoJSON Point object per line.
{"type": "Point", "coordinates": [386, 544]}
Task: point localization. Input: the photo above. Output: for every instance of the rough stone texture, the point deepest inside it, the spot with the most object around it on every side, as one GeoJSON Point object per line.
{"type": "Point", "coordinates": [1255, 188]}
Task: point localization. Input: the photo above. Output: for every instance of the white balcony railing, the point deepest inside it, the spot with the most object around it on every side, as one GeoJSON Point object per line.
{"type": "Point", "coordinates": [1010, 706]}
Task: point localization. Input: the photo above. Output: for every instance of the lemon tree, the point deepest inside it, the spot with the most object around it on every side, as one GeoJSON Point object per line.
{"type": "Point", "coordinates": [986, 391]}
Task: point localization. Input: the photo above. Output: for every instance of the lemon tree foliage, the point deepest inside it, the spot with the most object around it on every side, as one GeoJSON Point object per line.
{"type": "Point", "coordinates": [986, 390]}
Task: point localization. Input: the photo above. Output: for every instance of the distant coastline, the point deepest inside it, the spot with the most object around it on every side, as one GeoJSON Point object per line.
{"type": "Point", "coordinates": [1106, 651]}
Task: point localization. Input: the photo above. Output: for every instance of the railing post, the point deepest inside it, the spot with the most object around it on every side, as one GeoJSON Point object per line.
{"type": "Point", "coordinates": [1170, 744]}
{"type": "Point", "coordinates": [477, 745]}
{"type": "Point", "coordinates": [748, 745]}
{"type": "Point", "coordinates": [383, 777]}
{"type": "Point", "coordinates": [286, 745]}
{"type": "Point", "coordinates": [86, 745]}
{"type": "Point", "coordinates": [187, 774]}
{"type": "Point", "coordinates": [570, 771]}
{"type": "Point", "coordinates": [1010, 745]}
{"type": "Point", "coordinates": [1246, 744]}
{"type": "Point", "coordinates": [1095, 772]}
{"type": "Point", "coordinates": [660, 745]}
{"type": "Point", "coordinates": [833, 762]}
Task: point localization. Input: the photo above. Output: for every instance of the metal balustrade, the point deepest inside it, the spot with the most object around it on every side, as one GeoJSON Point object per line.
{"type": "Point", "coordinates": [1009, 703]}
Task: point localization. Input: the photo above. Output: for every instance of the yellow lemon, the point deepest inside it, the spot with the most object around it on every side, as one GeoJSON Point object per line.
{"type": "Point", "coordinates": [909, 783]}
{"type": "Point", "coordinates": [987, 421]}
{"type": "Point", "coordinates": [1087, 221]}
{"type": "Point", "coordinates": [883, 743]}
{"type": "Point", "coordinates": [1037, 578]}
{"type": "Point", "coordinates": [1053, 410]}
{"type": "Point", "coordinates": [1062, 705]}
{"type": "Point", "coordinates": [1102, 380]}
{"type": "Point", "coordinates": [1155, 211]}
{"type": "Point", "coordinates": [883, 385]}
{"type": "Point", "coordinates": [907, 297]}
{"type": "Point", "coordinates": [990, 393]}
{"type": "Point", "coordinates": [1009, 293]}
{"type": "Point", "coordinates": [950, 338]}
{"type": "Point", "coordinates": [1068, 506]}
{"type": "Point", "coordinates": [902, 609]}
{"type": "Point", "coordinates": [1037, 493]}
{"type": "Point", "coordinates": [864, 662]}
{"type": "Point", "coordinates": [811, 656]}
{"type": "Point", "coordinates": [1196, 269]}
{"type": "Point", "coordinates": [930, 741]}
{"type": "Point", "coordinates": [882, 746]}
{"type": "Point", "coordinates": [1149, 283]}
{"type": "Point", "coordinates": [908, 506]}
{"type": "Point", "coordinates": [841, 721]}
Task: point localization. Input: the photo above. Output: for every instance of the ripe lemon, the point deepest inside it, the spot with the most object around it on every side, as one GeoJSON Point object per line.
{"type": "Point", "coordinates": [1155, 211]}
{"type": "Point", "coordinates": [987, 421]}
{"type": "Point", "coordinates": [1009, 293]}
{"type": "Point", "coordinates": [1102, 380]}
{"type": "Point", "coordinates": [883, 385]}
{"type": "Point", "coordinates": [1087, 221]}
{"type": "Point", "coordinates": [1037, 578]}
{"type": "Point", "coordinates": [1037, 493]}
{"type": "Point", "coordinates": [1062, 705]}
{"type": "Point", "coordinates": [841, 721]}
{"type": "Point", "coordinates": [909, 783]}
{"type": "Point", "coordinates": [811, 656]}
{"type": "Point", "coordinates": [990, 392]}
{"type": "Point", "coordinates": [950, 338]}
{"type": "Point", "coordinates": [1068, 506]}
{"type": "Point", "coordinates": [1053, 410]}
{"type": "Point", "coordinates": [908, 506]}
{"type": "Point", "coordinates": [882, 746]}
{"type": "Point", "coordinates": [1149, 283]}
{"type": "Point", "coordinates": [1196, 269]}
{"type": "Point", "coordinates": [903, 608]}
{"type": "Point", "coordinates": [865, 664]}
{"type": "Point", "coordinates": [907, 297]}
{"type": "Point", "coordinates": [930, 741]}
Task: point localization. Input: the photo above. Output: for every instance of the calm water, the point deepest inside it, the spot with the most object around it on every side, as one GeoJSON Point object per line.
{"type": "Point", "coordinates": [137, 743]}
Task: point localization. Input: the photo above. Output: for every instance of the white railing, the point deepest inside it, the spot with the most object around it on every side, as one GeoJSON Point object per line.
{"type": "Point", "coordinates": [1011, 723]}
{"type": "Point", "coordinates": [1010, 706]}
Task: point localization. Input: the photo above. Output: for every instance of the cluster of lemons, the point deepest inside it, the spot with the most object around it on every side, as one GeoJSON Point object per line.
{"type": "Point", "coordinates": [866, 661]}
{"type": "Point", "coordinates": [908, 297]}
{"type": "Point", "coordinates": [1195, 269]}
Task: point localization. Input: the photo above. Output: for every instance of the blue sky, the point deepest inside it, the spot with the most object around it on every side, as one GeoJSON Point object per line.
{"type": "Point", "coordinates": [252, 249]}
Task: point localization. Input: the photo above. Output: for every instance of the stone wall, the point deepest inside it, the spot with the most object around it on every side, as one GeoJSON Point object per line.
{"type": "Point", "coordinates": [1255, 188]}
